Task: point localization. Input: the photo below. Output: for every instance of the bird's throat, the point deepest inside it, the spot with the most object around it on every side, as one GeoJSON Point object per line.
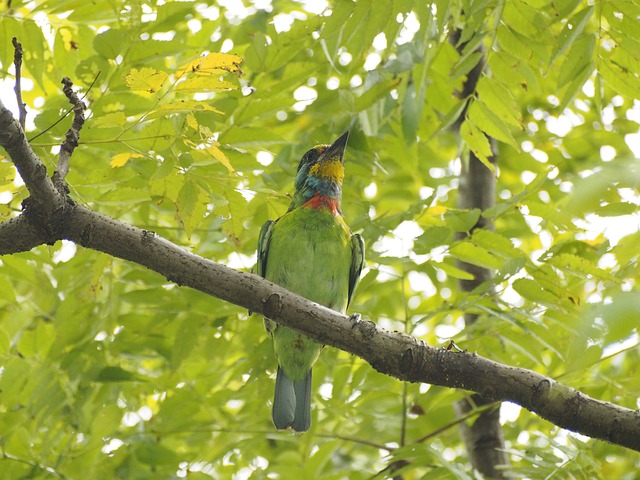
{"type": "Point", "coordinates": [319, 202]}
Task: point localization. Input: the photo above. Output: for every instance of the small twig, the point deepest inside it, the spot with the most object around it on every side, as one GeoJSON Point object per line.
{"type": "Point", "coordinates": [66, 114]}
{"type": "Point", "coordinates": [17, 61]}
{"type": "Point", "coordinates": [73, 134]}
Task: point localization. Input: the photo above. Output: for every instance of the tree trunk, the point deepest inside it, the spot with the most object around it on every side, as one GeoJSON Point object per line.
{"type": "Point", "coordinates": [482, 435]}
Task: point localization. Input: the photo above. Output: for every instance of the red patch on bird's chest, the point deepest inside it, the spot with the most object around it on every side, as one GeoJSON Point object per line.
{"type": "Point", "coordinates": [323, 201]}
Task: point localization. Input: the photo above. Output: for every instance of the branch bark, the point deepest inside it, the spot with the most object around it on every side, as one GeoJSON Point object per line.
{"type": "Point", "coordinates": [391, 353]}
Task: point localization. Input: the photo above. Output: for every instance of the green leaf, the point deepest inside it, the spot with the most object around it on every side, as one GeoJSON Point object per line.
{"type": "Point", "coordinates": [580, 267]}
{"type": "Point", "coordinates": [453, 271]}
{"type": "Point", "coordinates": [619, 317]}
{"type": "Point", "coordinates": [475, 255]}
{"type": "Point", "coordinates": [451, 117]}
{"type": "Point", "coordinates": [410, 115]}
{"type": "Point", "coordinates": [110, 43]}
{"type": "Point", "coordinates": [115, 374]}
{"type": "Point", "coordinates": [578, 60]}
{"type": "Point", "coordinates": [532, 290]}
{"type": "Point", "coordinates": [461, 220]}
{"type": "Point", "coordinates": [496, 243]}
{"type": "Point", "coordinates": [375, 93]}
{"type": "Point", "coordinates": [500, 100]}
{"type": "Point", "coordinates": [431, 238]}
{"type": "Point", "coordinates": [619, 79]}
{"type": "Point", "coordinates": [572, 30]}
{"type": "Point", "coordinates": [487, 121]}
{"type": "Point", "coordinates": [477, 142]}
{"type": "Point", "coordinates": [617, 209]}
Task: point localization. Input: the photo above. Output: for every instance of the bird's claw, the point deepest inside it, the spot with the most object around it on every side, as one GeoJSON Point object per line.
{"type": "Point", "coordinates": [355, 318]}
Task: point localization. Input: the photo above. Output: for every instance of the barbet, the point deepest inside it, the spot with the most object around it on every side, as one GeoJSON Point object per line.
{"type": "Point", "coordinates": [311, 251]}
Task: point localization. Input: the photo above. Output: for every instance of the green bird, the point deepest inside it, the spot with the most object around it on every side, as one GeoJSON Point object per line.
{"type": "Point", "coordinates": [311, 251]}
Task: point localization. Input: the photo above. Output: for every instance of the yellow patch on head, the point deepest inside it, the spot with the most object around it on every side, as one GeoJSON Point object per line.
{"type": "Point", "coordinates": [331, 169]}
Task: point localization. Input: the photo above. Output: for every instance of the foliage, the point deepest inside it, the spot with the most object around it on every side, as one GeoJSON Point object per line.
{"type": "Point", "coordinates": [110, 371]}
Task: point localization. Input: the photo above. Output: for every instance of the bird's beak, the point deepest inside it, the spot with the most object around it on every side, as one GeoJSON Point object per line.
{"type": "Point", "coordinates": [336, 149]}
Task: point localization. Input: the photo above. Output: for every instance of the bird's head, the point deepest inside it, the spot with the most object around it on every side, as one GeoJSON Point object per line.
{"type": "Point", "coordinates": [321, 171]}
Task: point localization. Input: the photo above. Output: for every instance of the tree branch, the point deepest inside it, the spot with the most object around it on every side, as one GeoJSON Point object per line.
{"type": "Point", "coordinates": [30, 168]}
{"type": "Point", "coordinates": [17, 63]}
{"type": "Point", "coordinates": [72, 136]}
{"type": "Point", "coordinates": [391, 353]}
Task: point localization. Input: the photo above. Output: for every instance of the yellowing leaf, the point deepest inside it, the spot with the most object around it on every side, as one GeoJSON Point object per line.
{"type": "Point", "coordinates": [186, 106]}
{"type": "Point", "coordinates": [220, 156]}
{"type": "Point", "coordinates": [121, 159]}
{"type": "Point", "coordinates": [204, 84]}
{"type": "Point", "coordinates": [214, 64]}
{"type": "Point", "coordinates": [146, 79]}
{"type": "Point", "coordinates": [192, 122]}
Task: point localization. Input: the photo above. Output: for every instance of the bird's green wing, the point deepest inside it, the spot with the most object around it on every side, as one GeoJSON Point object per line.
{"type": "Point", "coordinates": [263, 246]}
{"type": "Point", "coordinates": [357, 262]}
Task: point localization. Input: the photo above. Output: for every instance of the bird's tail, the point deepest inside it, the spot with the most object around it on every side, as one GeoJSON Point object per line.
{"type": "Point", "coordinates": [292, 403]}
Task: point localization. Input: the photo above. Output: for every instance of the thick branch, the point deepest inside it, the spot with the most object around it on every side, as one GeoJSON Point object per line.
{"type": "Point", "coordinates": [20, 235]}
{"type": "Point", "coordinates": [391, 353]}
{"type": "Point", "coordinates": [30, 168]}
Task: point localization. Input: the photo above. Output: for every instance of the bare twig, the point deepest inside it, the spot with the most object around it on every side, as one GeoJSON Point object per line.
{"type": "Point", "coordinates": [66, 114]}
{"type": "Point", "coordinates": [72, 136]}
{"type": "Point", "coordinates": [17, 61]}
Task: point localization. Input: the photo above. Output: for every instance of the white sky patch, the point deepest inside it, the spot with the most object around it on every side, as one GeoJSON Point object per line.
{"type": "Point", "coordinates": [333, 83]}
{"type": "Point", "coordinates": [66, 252]}
{"type": "Point", "coordinates": [314, 6]}
{"type": "Point", "coordinates": [607, 153]}
{"type": "Point", "coordinates": [380, 42]}
{"type": "Point", "coordinates": [400, 241]}
{"type": "Point", "coordinates": [633, 141]}
{"type": "Point", "coordinates": [5, 197]}
{"type": "Point", "coordinates": [240, 261]}
{"type": "Point", "coordinates": [563, 124]}
{"type": "Point", "coordinates": [372, 61]}
{"type": "Point", "coordinates": [617, 347]}
{"type": "Point", "coordinates": [264, 158]}
{"type": "Point", "coordinates": [410, 27]}
{"type": "Point", "coordinates": [355, 81]}
{"type": "Point", "coordinates": [305, 96]}
{"type": "Point", "coordinates": [345, 58]}
{"type": "Point", "coordinates": [282, 22]}
{"type": "Point", "coordinates": [112, 446]}
{"type": "Point", "coordinates": [446, 331]}
{"type": "Point", "coordinates": [420, 282]}
{"type": "Point", "coordinates": [226, 46]}
{"type": "Point", "coordinates": [208, 12]}
{"type": "Point", "coordinates": [263, 5]}
{"type": "Point", "coordinates": [612, 228]}
{"type": "Point", "coordinates": [370, 190]}
{"type": "Point", "coordinates": [326, 390]}
{"type": "Point", "coordinates": [509, 412]}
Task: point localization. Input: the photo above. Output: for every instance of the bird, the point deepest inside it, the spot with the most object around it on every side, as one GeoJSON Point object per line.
{"type": "Point", "coordinates": [310, 251]}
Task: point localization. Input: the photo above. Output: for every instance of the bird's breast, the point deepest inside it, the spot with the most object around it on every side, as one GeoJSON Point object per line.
{"type": "Point", "coordinates": [310, 254]}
